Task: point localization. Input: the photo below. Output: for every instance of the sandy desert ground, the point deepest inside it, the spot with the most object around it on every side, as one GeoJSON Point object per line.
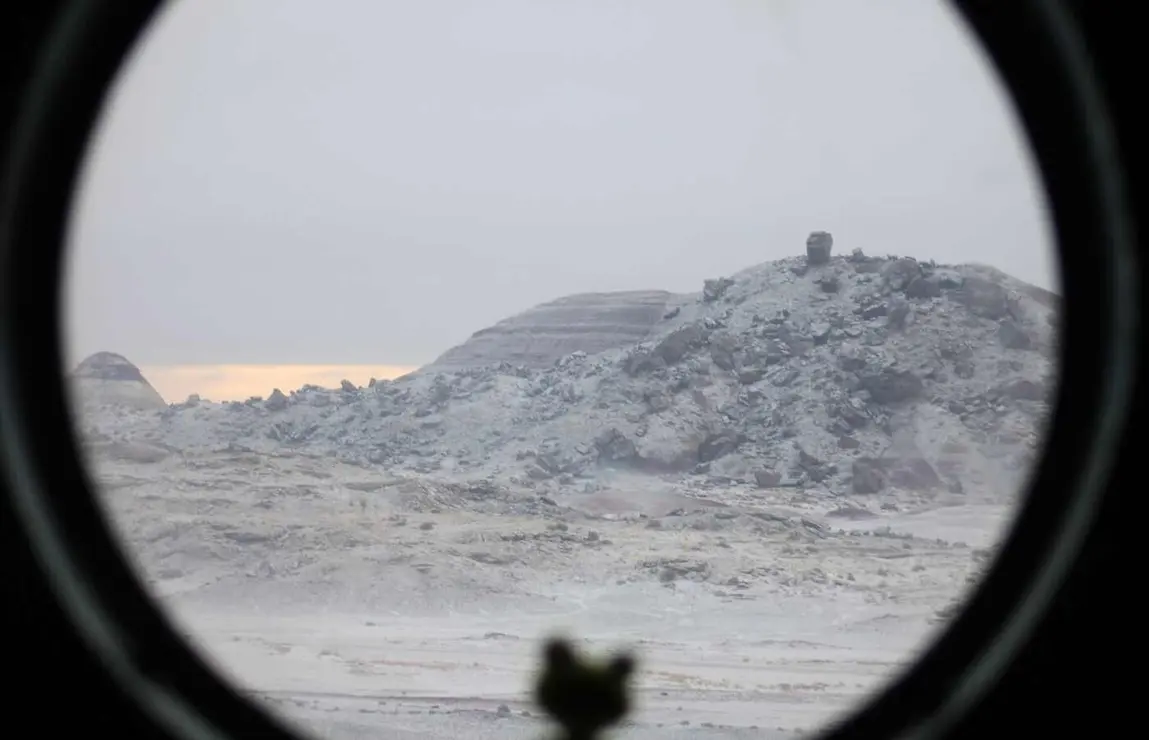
{"type": "Point", "coordinates": [362, 606]}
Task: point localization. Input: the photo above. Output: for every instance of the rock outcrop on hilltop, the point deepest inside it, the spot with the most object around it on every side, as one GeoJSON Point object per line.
{"type": "Point", "coordinates": [840, 375]}
{"type": "Point", "coordinates": [108, 379]}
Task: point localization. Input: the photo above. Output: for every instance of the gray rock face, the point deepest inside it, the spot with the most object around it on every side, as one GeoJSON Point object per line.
{"type": "Point", "coordinates": [537, 338]}
{"type": "Point", "coordinates": [107, 378]}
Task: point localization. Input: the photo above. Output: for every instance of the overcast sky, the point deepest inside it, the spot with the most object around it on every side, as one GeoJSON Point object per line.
{"type": "Point", "coordinates": [370, 181]}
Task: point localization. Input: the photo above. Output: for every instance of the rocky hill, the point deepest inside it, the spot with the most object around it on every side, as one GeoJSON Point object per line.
{"type": "Point", "coordinates": [841, 375]}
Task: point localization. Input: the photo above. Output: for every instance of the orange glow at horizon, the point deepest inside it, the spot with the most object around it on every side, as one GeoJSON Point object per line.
{"type": "Point", "coordinates": [239, 382]}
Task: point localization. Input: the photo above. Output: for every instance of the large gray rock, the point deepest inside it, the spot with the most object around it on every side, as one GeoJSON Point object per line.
{"type": "Point", "coordinates": [670, 351]}
{"type": "Point", "coordinates": [614, 447]}
{"type": "Point", "coordinates": [766, 478]}
{"type": "Point", "coordinates": [900, 273]}
{"type": "Point", "coordinates": [818, 246]}
{"type": "Point", "coordinates": [715, 288]}
{"type": "Point", "coordinates": [538, 337]}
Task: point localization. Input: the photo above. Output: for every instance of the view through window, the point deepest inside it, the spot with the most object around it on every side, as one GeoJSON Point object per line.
{"type": "Point", "coordinates": [405, 335]}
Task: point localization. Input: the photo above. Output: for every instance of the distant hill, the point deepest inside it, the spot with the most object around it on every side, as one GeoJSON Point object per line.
{"type": "Point", "coordinates": [109, 379]}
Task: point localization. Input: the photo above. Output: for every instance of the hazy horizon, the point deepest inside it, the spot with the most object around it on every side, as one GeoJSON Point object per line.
{"type": "Point", "coordinates": [240, 382]}
{"type": "Point", "coordinates": [274, 186]}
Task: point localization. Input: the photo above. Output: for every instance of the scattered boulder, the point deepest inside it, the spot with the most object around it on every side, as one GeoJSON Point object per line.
{"type": "Point", "coordinates": [666, 449]}
{"type": "Point", "coordinates": [715, 288]}
{"type": "Point", "coordinates": [680, 343]}
{"type": "Point", "coordinates": [898, 275]}
{"type": "Point", "coordinates": [815, 469]}
{"type": "Point", "coordinates": [818, 246]}
{"type": "Point", "coordinates": [718, 444]}
{"type": "Point", "coordinates": [767, 478]}
{"type": "Point", "coordinates": [615, 447]}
